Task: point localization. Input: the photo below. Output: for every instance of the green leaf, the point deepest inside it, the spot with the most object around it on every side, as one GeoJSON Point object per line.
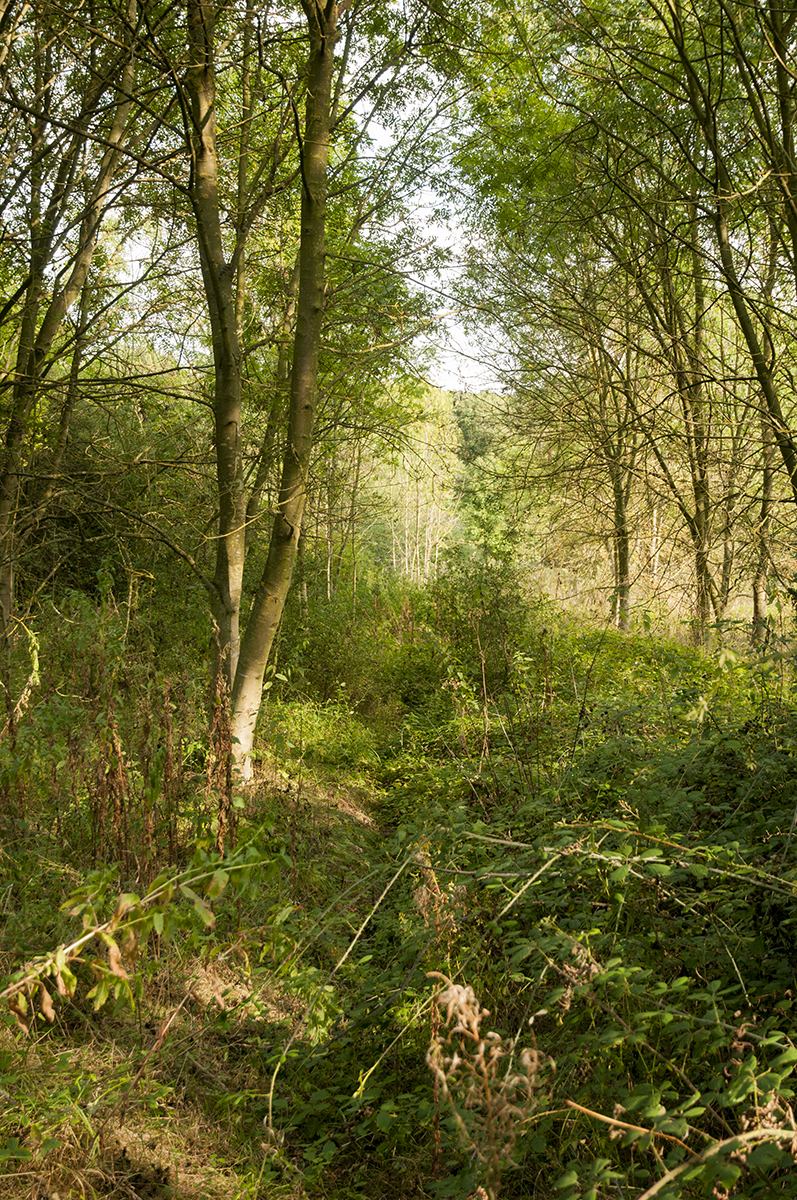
{"type": "Point", "coordinates": [384, 1119]}
{"type": "Point", "coordinates": [12, 1149]}
{"type": "Point", "coordinates": [99, 994]}
{"type": "Point", "coordinates": [199, 904]}
{"type": "Point", "coordinates": [727, 1173]}
{"type": "Point", "coordinates": [691, 1172]}
{"type": "Point", "coordinates": [217, 884]}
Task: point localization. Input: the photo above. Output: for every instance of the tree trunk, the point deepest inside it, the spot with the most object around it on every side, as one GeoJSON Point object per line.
{"type": "Point", "coordinates": [41, 323]}
{"type": "Point", "coordinates": [622, 559]}
{"type": "Point", "coordinates": [220, 286]}
{"type": "Point", "coordinates": [760, 597]}
{"type": "Point", "coordinates": [761, 363]}
{"type": "Point", "coordinates": [760, 629]}
{"type": "Point", "coordinates": [276, 413]}
{"type": "Point", "coordinates": [269, 601]}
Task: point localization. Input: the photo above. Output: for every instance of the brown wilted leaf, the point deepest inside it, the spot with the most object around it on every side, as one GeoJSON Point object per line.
{"type": "Point", "coordinates": [126, 901]}
{"type": "Point", "coordinates": [46, 1003]}
{"type": "Point", "coordinates": [21, 1016]}
{"type": "Point", "coordinates": [65, 982]}
{"type": "Point", "coordinates": [130, 944]}
{"type": "Point", "coordinates": [115, 960]}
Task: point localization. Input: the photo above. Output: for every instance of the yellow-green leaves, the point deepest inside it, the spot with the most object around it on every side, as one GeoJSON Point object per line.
{"type": "Point", "coordinates": [200, 907]}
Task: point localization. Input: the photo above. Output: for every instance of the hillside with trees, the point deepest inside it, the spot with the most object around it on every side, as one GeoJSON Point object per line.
{"type": "Point", "coordinates": [398, 781]}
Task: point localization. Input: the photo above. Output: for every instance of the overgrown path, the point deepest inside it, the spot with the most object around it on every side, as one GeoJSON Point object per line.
{"type": "Point", "coordinates": [599, 855]}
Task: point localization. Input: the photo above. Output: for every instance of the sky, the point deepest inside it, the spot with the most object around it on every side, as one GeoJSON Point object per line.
{"type": "Point", "coordinates": [460, 366]}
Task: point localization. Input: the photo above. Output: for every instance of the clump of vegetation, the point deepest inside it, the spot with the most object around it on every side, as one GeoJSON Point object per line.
{"type": "Point", "coordinates": [598, 845]}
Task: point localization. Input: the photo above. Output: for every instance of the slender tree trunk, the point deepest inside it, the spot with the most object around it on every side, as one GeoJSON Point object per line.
{"type": "Point", "coordinates": [703, 592]}
{"type": "Point", "coordinates": [655, 545]}
{"type": "Point", "coordinates": [269, 601]}
{"type": "Point", "coordinates": [728, 553]}
{"type": "Point", "coordinates": [40, 499]}
{"type": "Point", "coordinates": [348, 535]}
{"type": "Point", "coordinates": [760, 353]}
{"type": "Point", "coordinates": [763, 557]}
{"type": "Point", "coordinates": [265, 463]}
{"type": "Point", "coordinates": [41, 323]}
{"type": "Point", "coordinates": [760, 597]}
{"type": "Point", "coordinates": [330, 537]}
{"type": "Point", "coordinates": [221, 291]}
{"type": "Point", "coordinates": [622, 559]}
{"type": "Point", "coordinates": [760, 360]}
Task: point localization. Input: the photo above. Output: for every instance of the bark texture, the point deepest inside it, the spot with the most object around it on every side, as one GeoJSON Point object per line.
{"type": "Point", "coordinates": [272, 590]}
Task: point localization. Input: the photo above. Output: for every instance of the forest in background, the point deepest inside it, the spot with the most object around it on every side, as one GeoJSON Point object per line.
{"type": "Point", "coordinates": [397, 784]}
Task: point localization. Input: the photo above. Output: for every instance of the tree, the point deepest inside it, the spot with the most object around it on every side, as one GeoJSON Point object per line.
{"type": "Point", "coordinates": [332, 93]}
{"type": "Point", "coordinates": [631, 187]}
{"type": "Point", "coordinates": [269, 601]}
{"type": "Point", "coordinates": [68, 121]}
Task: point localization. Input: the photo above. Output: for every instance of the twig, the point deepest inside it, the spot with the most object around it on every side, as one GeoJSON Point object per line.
{"type": "Point", "coordinates": [625, 1125]}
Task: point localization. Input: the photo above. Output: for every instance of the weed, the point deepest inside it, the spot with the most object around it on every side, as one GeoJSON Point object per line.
{"type": "Point", "coordinates": [490, 1083]}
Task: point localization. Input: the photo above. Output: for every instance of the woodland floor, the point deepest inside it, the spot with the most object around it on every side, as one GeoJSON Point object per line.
{"type": "Point", "coordinates": [601, 855]}
{"type": "Point", "coordinates": [159, 1141]}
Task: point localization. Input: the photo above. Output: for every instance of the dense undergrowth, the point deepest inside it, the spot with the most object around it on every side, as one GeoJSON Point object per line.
{"type": "Point", "coordinates": [463, 803]}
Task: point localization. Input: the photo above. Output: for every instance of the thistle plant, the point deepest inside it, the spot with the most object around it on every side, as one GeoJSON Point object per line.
{"type": "Point", "coordinates": [490, 1084]}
